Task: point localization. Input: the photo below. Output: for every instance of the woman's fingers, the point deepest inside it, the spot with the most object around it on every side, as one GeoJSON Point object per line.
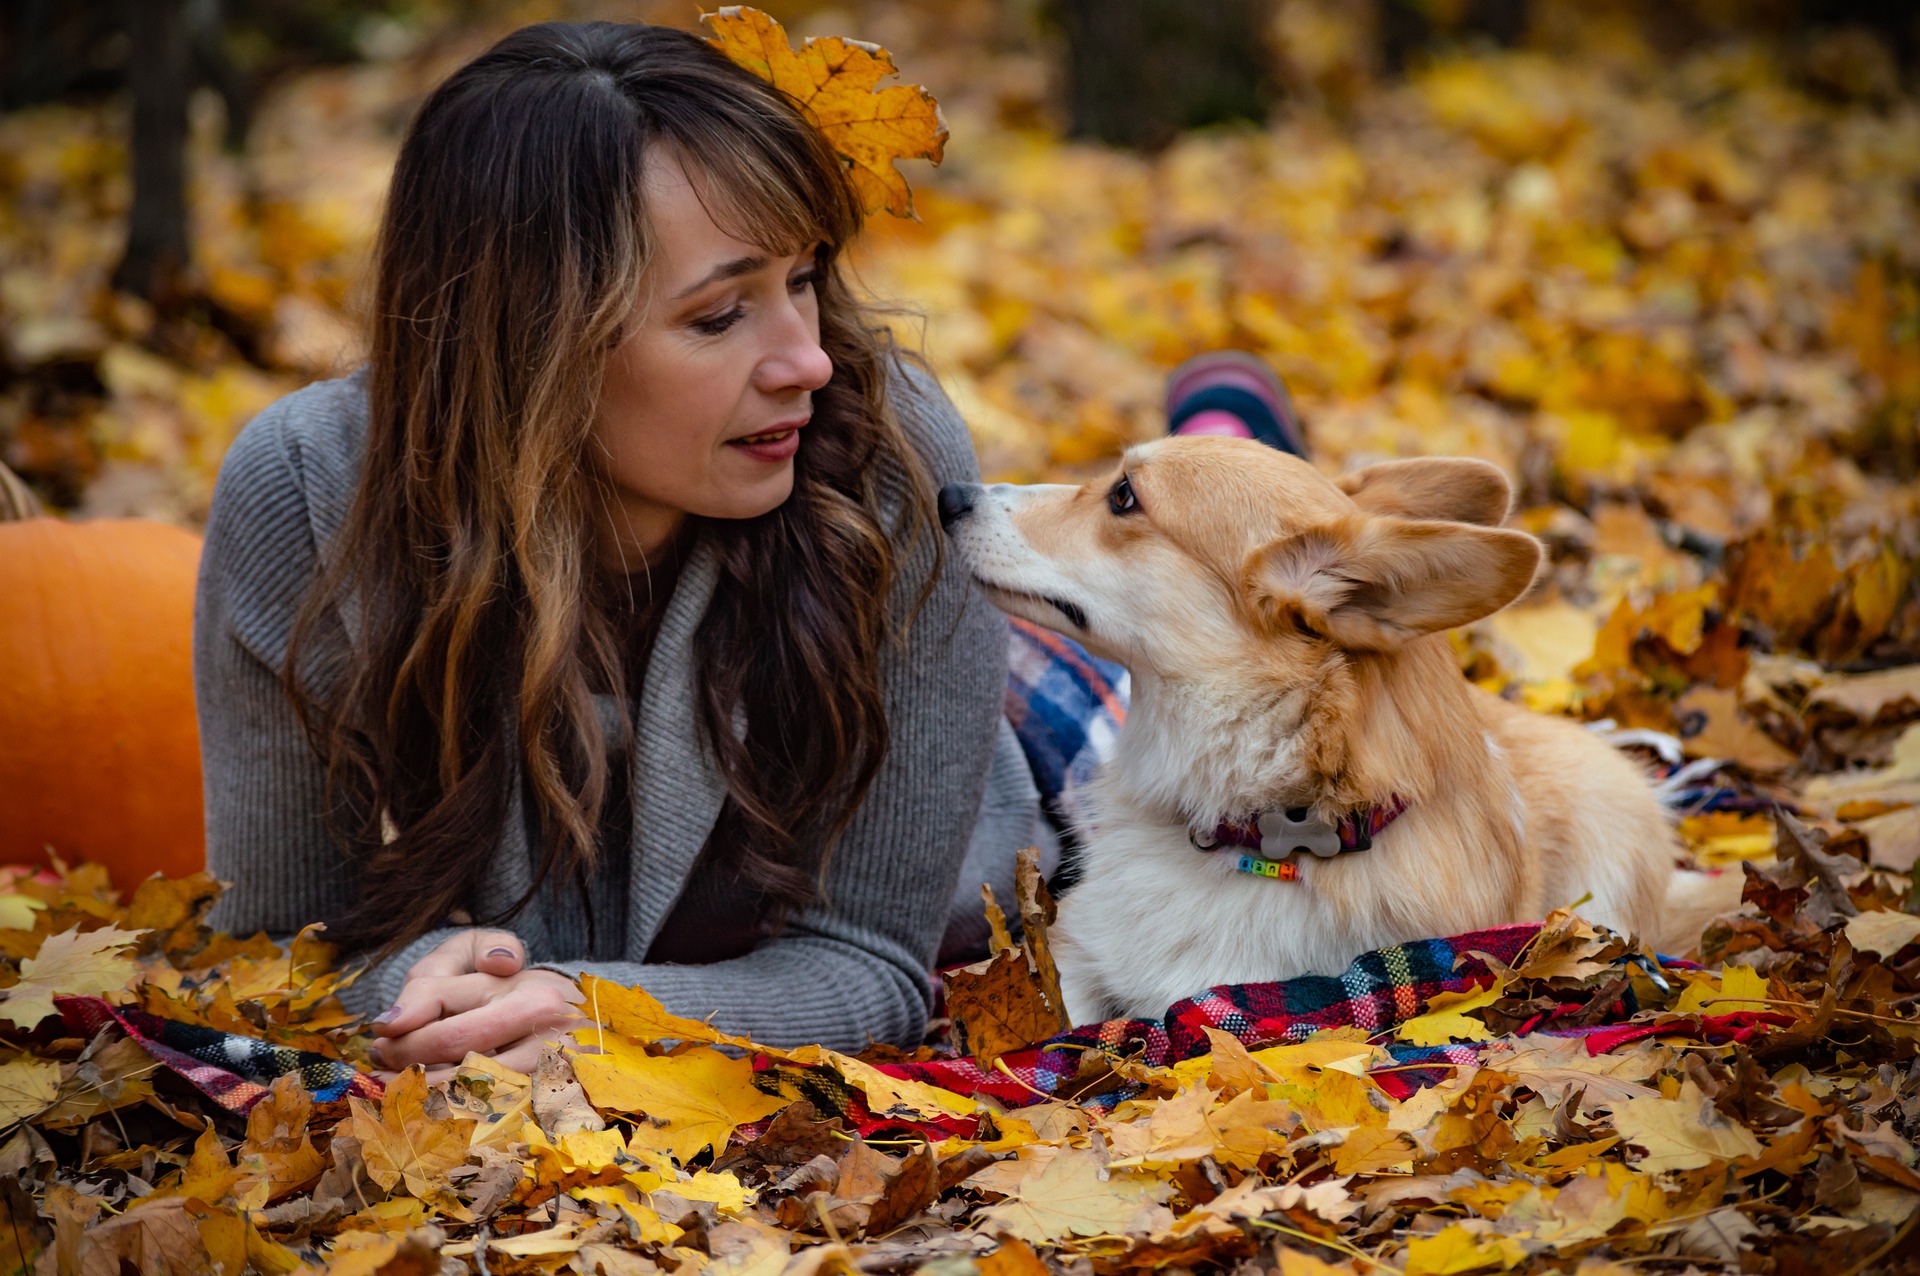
{"type": "Point", "coordinates": [498, 952]}
{"type": "Point", "coordinates": [424, 999]}
{"type": "Point", "coordinates": [496, 1024]}
{"type": "Point", "coordinates": [524, 1054]}
{"type": "Point", "coordinates": [490, 952]}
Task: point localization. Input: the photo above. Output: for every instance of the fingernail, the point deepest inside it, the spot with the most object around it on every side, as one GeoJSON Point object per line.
{"type": "Point", "coordinates": [388, 1015]}
{"type": "Point", "coordinates": [501, 952]}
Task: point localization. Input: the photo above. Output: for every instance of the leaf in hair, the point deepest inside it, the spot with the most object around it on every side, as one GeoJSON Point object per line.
{"type": "Point", "coordinates": [835, 82]}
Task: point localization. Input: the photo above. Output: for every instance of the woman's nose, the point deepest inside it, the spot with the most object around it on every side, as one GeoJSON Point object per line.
{"type": "Point", "coordinates": [797, 362]}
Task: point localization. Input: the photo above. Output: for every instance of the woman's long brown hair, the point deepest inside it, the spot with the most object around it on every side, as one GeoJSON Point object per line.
{"type": "Point", "coordinates": [511, 255]}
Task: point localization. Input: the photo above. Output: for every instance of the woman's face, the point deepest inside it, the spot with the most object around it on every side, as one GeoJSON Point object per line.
{"type": "Point", "coordinates": [706, 398]}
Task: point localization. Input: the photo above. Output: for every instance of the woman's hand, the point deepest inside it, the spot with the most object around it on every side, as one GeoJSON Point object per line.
{"type": "Point", "coordinates": [474, 993]}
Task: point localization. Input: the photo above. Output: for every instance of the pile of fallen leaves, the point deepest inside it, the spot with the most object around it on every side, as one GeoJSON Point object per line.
{"type": "Point", "coordinates": [657, 1143]}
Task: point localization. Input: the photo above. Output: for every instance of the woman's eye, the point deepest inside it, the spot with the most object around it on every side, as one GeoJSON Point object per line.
{"type": "Point", "coordinates": [804, 280]}
{"type": "Point", "coordinates": [717, 324]}
{"type": "Point", "coordinates": [1121, 499]}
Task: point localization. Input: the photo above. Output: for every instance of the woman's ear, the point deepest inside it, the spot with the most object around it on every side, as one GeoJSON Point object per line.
{"type": "Point", "coordinates": [1458, 488]}
{"type": "Point", "coordinates": [1370, 584]}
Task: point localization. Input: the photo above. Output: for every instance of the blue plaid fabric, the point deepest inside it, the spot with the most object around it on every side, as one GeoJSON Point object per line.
{"type": "Point", "coordinates": [1066, 707]}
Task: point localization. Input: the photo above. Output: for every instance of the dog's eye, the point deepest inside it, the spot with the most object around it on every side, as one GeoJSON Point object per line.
{"type": "Point", "coordinates": [1121, 499]}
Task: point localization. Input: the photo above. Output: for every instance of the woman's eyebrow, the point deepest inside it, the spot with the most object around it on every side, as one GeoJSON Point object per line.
{"type": "Point", "coordinates": [725, 270]}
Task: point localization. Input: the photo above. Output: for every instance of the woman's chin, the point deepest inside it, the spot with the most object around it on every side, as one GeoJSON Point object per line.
{"type": "Point", "coordinates": [751, 500]}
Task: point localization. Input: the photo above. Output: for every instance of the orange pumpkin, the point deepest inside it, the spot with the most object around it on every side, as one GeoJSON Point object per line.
{"type": "Point", "coordinates": [99, 747]}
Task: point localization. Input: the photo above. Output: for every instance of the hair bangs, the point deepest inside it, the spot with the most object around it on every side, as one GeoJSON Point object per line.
{"type": "Point", "coordinates": [779, 192]}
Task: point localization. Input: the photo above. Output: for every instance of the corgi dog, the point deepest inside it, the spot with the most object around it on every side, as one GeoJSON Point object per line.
{"type": "Point", "coordinates": [1304, 775]}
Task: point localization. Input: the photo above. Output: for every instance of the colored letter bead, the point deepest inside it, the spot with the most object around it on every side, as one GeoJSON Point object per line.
{"type": "Point", "coordinates": [1279, 870]}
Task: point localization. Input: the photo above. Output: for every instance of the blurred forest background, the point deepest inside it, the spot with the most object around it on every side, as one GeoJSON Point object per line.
{"type": "Point", "coordinates": [1571, 237]}
{"type": "Point", "coordinates": [1658, 258]}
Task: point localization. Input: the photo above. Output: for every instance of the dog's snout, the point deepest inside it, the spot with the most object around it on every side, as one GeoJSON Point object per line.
{"type": "Point", "coordinates": [956, 502]}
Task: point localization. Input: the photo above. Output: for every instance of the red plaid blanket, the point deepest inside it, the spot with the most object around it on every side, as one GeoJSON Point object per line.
{"type": "Point", "coordinates": [1377, 993]}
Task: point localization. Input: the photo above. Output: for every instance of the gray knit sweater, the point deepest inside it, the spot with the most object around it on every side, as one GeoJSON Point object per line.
{"type": "Point", "coordinates": [847, 971]}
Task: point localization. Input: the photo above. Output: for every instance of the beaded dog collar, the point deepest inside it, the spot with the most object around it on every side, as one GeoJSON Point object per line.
{"type": "Point", "coordinates": [1276, 836]}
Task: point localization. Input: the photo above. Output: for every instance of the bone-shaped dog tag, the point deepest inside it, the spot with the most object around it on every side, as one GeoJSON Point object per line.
{"type": "Point", "coordinates": [1282, 835]}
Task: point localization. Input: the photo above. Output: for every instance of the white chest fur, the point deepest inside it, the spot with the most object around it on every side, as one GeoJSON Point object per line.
{"type": "Point", "coordinates": [1153, 920]}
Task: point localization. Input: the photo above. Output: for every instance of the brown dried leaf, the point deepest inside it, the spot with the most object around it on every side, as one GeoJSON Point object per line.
{"type": "Point", "coordinates": [559, 1102]}
{"type": "Point", "coordinates": [1072, 1195]}
{"type": "Point", "coordinates": [1037, 914]}
{"type": "Point", "coordinates": [154, 1238]}
{"type": "Point", "coordinates": [402, 1144]}
{"type": "Point", "coordinates": [998, 1006]}
{"type": "Point", "coordinates": [279, 1151]}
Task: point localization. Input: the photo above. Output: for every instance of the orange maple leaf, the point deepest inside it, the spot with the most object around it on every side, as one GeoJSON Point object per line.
{"type": "Point", "coordinates": [835, 82]}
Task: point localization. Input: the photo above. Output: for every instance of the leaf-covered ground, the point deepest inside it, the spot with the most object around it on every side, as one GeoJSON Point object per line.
{"type": "Point", "coordinates": [1674, 295]}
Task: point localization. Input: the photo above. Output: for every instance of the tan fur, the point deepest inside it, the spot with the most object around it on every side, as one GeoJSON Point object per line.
{"type": "Point", "coordinates": [1286, 640]}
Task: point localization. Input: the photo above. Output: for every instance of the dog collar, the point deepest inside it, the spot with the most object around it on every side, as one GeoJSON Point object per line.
{"type": "Point", "coordinates": [1276, 836]}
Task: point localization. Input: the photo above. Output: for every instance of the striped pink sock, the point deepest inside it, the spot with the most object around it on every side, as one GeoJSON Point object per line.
{"type": "Point", "coordinates": [1215, 422]}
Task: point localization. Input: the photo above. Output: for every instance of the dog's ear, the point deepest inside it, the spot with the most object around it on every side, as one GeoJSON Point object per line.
{"type": "Point", "coordinates": [1456, 488]}
{"type": "Point", "coordinates": [1370, 584]}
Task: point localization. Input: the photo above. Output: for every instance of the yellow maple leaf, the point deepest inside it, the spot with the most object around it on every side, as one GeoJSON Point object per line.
{"type": "Point", "coordinates": [402, 1142]}
{"type": "Point", "coordinates": [1881, 931]}
{"type": "Point", "coordinates": [724, 1190]}
{"type": "Point", "coordinates": [577, 1158]}
{"type": "Point", "coordinates": [208, 1176]}
{"type": "Point", "coordinates": [1190, 1125]}
{"type": "Point", "coordinates": [897, 1096]}
{"type": "Point", "coordinates": [28, 1087]}
{"type": "Point", "coordinates": [835, 82]}
{"type": "Point", "coordinates": [70, 964]}
{"type": "Point", "coordinates": [1447, 1020]}
{"type": "Point", "coordinates": [1711, 997]}
{"type": "Point", "coordinates": [1454, 1249]}
{"type": "Point", "coordinates": [1367, 1150]}
{"type": "Point", "coordinates": [637, 1014]}
{"type": "Point", "coordinates": [1228, 1066]}
{"type": "Point", "coordinates": [1297, 1262]}
{"type": "Point", "coordinates": [1333, 1100]}
{"type": "Point", "coordinates": [16, 912]}
{"type": "Point", "coordinates": [691, 1101]}
{"type": "Point", "coordinates": [648, 1227]}
{"type": "Point", "coordinates": [1682, 1133]}
{"type": "Point", "coordinates": [1327, 1049]}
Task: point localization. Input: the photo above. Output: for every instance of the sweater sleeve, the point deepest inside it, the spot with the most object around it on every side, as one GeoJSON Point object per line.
{"type": "Point", "coordinates": [854, 969]}
{"type": "Point", "coordinates": [264, 783]}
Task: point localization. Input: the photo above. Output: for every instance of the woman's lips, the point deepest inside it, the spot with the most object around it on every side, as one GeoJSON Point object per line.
{"type": "Point", "coordinates": [770, 445]}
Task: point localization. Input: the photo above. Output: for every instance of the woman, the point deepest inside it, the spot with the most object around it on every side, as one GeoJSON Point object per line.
{"type": "Point", "coordinates": [598, 624]}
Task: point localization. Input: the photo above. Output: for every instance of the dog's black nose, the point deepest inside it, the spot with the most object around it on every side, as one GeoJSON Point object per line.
{"type": "Point", "coordinates": [956, 502]}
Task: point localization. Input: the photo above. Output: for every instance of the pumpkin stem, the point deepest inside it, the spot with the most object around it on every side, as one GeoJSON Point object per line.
{"type": "Point", "coordinates": [17, 500]}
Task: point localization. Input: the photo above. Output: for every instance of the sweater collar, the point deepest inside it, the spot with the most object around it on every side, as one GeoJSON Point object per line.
{"type": "Point", "coordinates": [677, 786]}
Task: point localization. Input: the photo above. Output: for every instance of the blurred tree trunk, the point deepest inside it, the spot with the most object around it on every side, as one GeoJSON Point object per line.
{"type": "Point", "coordinates": [1140, 71]}
{"type": "Point", "coordinates": [160, 74]}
